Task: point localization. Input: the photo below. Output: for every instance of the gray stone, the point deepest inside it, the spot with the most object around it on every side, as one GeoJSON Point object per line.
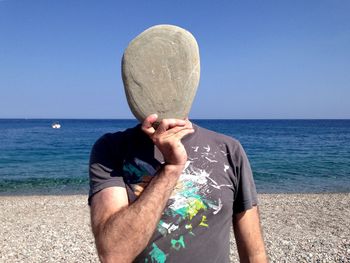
{"type": "Point", "coordinates": [161, 70]}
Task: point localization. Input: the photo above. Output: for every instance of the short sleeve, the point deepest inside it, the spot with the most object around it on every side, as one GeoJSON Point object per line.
{"type": "Point", "coordinates": [245, 196]}
{"type": "Point", "coordinates": [104, 165]}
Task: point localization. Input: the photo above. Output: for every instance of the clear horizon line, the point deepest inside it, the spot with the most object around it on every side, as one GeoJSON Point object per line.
{"type": "Point", "coordinates": [133, 119]}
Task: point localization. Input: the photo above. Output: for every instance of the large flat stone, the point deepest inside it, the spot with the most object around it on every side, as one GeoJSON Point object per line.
{"type": "Point", "coordinates": [161, 70]}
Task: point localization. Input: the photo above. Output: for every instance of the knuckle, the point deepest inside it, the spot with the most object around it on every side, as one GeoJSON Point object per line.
{"type": "Point", "coordinates": [164, 121]}
{"type": "Point", "coordinates": [157, 139]}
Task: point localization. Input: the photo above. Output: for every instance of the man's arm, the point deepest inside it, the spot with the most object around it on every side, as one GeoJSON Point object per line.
{"type": "Point", "coordinates": [122, 231]}
{"type": "Point", "coordinates": [250, 243]}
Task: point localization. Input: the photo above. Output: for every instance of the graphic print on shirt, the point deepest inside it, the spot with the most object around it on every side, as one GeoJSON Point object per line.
{"type": "Point", "coordinates": [190, 201]}
{"type": "Point", "coordinates": [138, 174]}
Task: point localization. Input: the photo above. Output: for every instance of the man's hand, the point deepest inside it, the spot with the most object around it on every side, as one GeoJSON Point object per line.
{"type": "Point", "coordinates": [167, 137]}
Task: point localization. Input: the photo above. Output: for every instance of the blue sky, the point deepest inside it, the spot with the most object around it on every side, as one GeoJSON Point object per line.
{"type": "Point", "coordinates": [259, 59]}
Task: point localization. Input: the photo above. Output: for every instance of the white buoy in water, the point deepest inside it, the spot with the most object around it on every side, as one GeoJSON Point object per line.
{"type": "Point", "coordinates": [56, 125]}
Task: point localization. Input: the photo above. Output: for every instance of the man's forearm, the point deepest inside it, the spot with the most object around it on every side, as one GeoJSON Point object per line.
{"type": "Point", "coordinates": [126, 233]}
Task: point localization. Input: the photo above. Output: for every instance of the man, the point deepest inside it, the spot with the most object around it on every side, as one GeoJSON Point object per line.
{"type": "Point", "coordinates": [168, 190]}
{"type": "Point", "coordinates": [171, 194]}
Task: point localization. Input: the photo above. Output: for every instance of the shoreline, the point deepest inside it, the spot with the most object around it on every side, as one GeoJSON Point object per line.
{"type": "Point", "coordinates": [83, 189]}
{"type": "Point", "coordinates": [63, 190]}
{"type": "Point", "coordinates": [56, 228]}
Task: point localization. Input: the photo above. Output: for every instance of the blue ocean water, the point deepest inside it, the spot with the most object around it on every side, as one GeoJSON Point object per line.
{"type": "Point", "coordinates": [285, 155]}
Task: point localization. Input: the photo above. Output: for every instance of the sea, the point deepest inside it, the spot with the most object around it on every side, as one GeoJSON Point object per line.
{"type": "Point", "coordinates": [286, 156]}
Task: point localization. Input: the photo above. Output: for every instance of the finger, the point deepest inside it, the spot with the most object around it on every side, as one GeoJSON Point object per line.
{"type": "Point", "coordinates": [167, 124]}
{"type": "Point", "coordinates": [176, 133]}
{"type": "Point", "coordinates": [171, 132]}
{"type": "Point", "coordinates": [182, 133]}
{"type": "Point", "coordinates": [147, 124]}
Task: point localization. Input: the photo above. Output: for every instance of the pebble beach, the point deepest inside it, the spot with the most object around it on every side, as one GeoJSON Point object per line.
{"type": "Point", "coordinates": [56, 228]}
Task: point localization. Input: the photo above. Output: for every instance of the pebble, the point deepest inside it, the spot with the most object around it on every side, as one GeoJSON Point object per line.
{"type": "Point", "coordinates": [56, 228]}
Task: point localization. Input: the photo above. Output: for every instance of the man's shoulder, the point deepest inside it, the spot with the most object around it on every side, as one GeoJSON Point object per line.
{"type": "Point", "coordinates": [118, 139]}
{"type": "Point", "coordinates": [116, 145]}
{"type": "Point", "coordinates": [121, 135]}
{"type": "Point", "coordinates": [216, 137]}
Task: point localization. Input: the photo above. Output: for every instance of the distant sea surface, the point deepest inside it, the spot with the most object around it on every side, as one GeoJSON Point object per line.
{"type": "Point", "coordinates": [286, 156]}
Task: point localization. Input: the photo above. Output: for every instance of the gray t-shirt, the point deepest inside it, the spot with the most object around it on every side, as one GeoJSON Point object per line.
{"type": "Point", "coordinates": [216, 183]}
